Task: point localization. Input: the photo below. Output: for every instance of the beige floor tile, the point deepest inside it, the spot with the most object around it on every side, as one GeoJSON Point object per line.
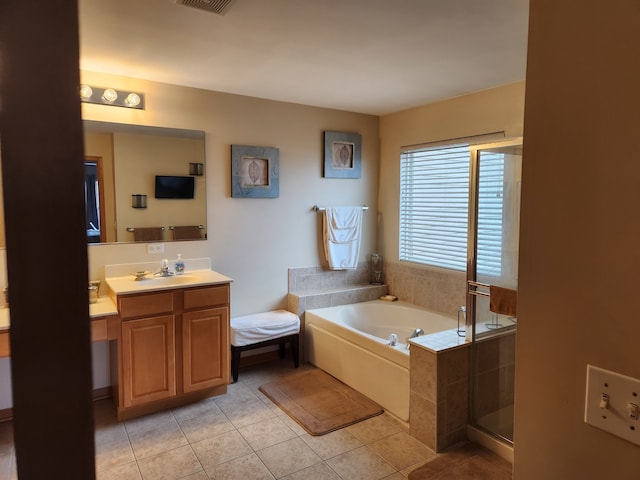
{"type": "Point", "coordinates": [247, 467]}
{"type": "Point", "coordinates": [112, 433]}
{"type": "Point", "coordinates": [128, 471]}
{"type": "Point", "coordinates": [332, 444]}
{"type": "Point", "coordinates": [114, 453]}
{"type": "Point", "coordinates": [288, 457]}
{"type": "Point", "coordinates": [154, 421]}
{"type": "Point", "coordinates": [246, 413]}
{"type": "Point", "coordinates": [170, 465]}
{"type": "Point", "coordinates": [237, 393]}
{"type": "Point", "coordinates": [205, 426]}
{"type": "Point", "coordinates": [220, 449]}
{"type": "Point", "coordinates": [361, 464]}
{"type": "Point", "coordinates": [319, 471]}
{"type": "Point", "coordinates": [152, 442]}
{"type": "Point", "coordinates": [264, 434]}
{"type": "Point", "coordinates": [197, 476]}
{"type": "Point", "coordinates": [375, 428]}
{"type": "Point", "coordinates": [193, 410]}
{"type": "Point", "coordinates": [396, 476]}
{"type": "Point", "coordinates": [291, 423]}
{"type": "Point", "coordinates": [6, 459]}
{"type": "Point", "coordinates": [402, 450]}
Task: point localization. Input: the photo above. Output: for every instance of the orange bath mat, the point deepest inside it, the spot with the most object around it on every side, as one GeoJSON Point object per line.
{"type": "Point", "coordinates": [319, 402]}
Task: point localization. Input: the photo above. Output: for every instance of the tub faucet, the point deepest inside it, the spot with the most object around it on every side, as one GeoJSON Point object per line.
{"type": "Point", "coordinates": [416, 333]}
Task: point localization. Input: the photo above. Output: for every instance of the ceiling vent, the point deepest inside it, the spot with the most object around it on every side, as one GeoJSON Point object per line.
{"type": "Point", "coordinates": [216, 6]}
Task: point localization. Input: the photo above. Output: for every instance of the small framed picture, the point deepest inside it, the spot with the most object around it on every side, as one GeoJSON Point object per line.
{"type": "Point", "coordinates": [254, 172]}
{"type": "Point", "coordinates": [342, 155]}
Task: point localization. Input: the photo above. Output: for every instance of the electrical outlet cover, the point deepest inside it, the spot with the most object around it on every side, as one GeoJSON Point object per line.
{"type": "Point", "coordinates": [616, 414]}
{"type": "Point", "coordinates": [155, 248]}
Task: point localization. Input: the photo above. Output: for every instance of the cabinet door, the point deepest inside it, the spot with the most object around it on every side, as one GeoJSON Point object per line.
{"type": "Point", "coordinates": [148, 359]}
{"type": "Point", "coordinates": [205, 343]}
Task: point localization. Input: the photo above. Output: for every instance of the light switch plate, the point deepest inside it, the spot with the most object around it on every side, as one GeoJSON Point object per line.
{"type": "Point", "coordinates": [155, 248]}
{"type": "Point", "coordinates": [614, 415]}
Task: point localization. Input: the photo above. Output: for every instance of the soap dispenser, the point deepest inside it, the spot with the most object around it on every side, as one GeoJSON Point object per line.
{"type": "Point", "coordinates": [179, 265]}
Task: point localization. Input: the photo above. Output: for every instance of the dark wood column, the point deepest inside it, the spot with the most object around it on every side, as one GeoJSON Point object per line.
{"type": "Point", "coordinates": [42, 166]}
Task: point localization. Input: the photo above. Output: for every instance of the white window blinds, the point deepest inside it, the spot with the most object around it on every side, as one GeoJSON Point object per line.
{"type": "Point", "coordinates": [434, 202]}
{"type": "Point", "coordinates": [490, 214]}
{"type": "Point", "coordinates": [434, 196]}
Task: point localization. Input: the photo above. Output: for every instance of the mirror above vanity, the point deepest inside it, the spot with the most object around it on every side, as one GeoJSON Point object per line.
{"type": "Point", "coordinates": [141, 182]}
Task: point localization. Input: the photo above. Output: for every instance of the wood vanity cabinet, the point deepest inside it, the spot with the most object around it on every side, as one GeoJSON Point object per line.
{"type": "Point", "coordinates": [174, 348]}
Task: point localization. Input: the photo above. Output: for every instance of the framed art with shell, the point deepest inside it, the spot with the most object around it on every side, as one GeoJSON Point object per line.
{"type": "Point", "coordinates": [342, 157]}
{"type": "Point", "coordinates": [254, 172]}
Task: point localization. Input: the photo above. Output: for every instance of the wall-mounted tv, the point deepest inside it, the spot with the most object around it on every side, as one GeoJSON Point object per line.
{"type": "Point", "coordinates": [168, 186]}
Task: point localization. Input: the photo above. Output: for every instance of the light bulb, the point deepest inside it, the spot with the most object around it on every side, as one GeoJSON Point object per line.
{"type": "Point", "coordinates": [85, 92]}
{"type": "Point", "coordinates": [132, 100]}
{"type": "Point", "coordinates": [109, 95]}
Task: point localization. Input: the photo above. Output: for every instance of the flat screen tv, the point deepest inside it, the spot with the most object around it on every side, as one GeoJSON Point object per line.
{"type": "Point", "coordinates": [168, 186]}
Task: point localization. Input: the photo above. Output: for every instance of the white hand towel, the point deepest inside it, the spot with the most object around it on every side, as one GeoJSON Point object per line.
{"type": "Point", "coordinates": [341, 231]}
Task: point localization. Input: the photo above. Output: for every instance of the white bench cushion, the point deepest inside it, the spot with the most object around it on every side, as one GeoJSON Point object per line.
{"type": "Point", "coordinates": [260, 327]}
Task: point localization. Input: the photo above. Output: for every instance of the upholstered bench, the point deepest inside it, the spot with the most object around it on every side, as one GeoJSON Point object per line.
{"type": "Point", "coordinates": [261, 330]}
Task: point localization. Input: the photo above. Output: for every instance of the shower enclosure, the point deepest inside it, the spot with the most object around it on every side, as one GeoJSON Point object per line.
{"type": "Point", "coordinates": [492, 270]}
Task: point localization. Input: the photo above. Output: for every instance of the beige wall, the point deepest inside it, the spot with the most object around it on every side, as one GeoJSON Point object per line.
{"type": "Point", "coordinates": [580, 235]}
{"type": "Point", "coordinates": [254, 241]}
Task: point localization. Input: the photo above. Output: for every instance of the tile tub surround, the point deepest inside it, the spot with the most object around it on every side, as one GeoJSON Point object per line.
{"type": "Point", "coordinates": [305, 279]}
{"type": "Point", "coordinates": [439, 395]}
{"type": "Point", "coordinates": [433, 288]}
{"type": "Point", "coordinates": [317, 287]}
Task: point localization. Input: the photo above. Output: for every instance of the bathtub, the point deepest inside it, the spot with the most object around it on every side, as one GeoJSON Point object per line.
{"type": "Point", "coordinates": [350, 342]}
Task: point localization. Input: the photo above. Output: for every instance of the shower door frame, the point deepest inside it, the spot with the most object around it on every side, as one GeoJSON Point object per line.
{"type": "Point", "coordinates": [472, 261]}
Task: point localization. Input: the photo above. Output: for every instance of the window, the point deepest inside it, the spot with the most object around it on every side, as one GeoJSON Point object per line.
{"type": "Point", "coordinates": [434, 202]}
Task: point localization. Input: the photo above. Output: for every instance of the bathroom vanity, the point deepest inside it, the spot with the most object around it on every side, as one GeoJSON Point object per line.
{"type": "Point", "coordinates": [172, 344]}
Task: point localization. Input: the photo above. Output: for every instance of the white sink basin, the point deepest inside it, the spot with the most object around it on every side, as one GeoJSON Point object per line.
{"type": "Point", "coordinates": [172, 280]}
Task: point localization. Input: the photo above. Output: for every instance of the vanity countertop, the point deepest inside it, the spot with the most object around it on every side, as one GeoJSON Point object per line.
{"type": "Point", "coordinates": [103, 308]}
{"type": "Point", "coordinates": [4, 319]}
{"type": "Point", "coordinates": [192, 278]}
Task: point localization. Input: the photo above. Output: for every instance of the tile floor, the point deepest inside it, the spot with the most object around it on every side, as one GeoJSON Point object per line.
{"type": "Point", "coordinates": [241, 435]}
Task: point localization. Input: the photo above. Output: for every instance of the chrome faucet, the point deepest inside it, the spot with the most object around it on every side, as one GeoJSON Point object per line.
{"type": "Point", "coordinates": [164, 269]}
{"type": "Point", "coordinates": [416, 333]}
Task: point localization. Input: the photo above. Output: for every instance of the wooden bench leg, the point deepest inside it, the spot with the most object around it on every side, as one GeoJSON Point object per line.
{"type": "Point", "coordinates": [235, 362]}
{"type": "Point", "coordinates": [295, 349]}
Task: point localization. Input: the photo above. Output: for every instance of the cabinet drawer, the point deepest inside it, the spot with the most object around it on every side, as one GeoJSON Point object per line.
{"type": "Point", "coordinates": [5, 350]}
{"type": "Point", "coordinates": [147, 304]}
{"type": "Point", "coordinates": [206, 296]}
{"type": "Point", "coordinates": [98, 329]}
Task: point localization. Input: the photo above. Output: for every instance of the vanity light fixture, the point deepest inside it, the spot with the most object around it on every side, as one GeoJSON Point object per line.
{"type": "Point", "coordinates": [196, 169]}
{"type": "Point", "coordinates": [111, 96]}
{"type": "Point", "coordinates": [138, 200]}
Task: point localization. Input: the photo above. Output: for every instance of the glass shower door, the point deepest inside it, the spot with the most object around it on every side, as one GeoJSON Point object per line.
{"type": "Point", "coordinates": [492, 277]}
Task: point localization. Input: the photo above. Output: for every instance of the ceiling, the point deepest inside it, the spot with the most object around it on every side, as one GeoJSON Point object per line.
{"type": "Point", "coordinates": [367, 56]}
